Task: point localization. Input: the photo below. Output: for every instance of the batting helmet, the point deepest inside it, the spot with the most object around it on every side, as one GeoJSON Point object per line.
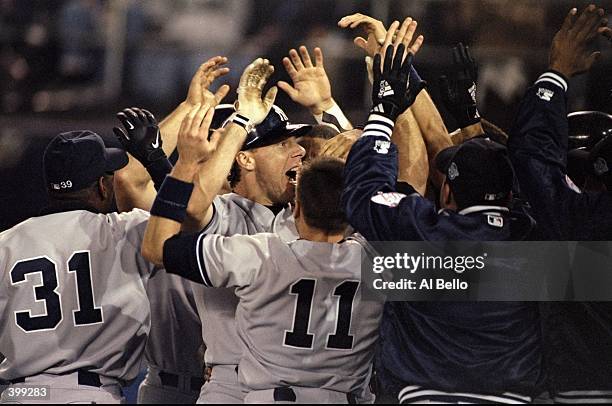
{"type": "Point", "coordinates": [587, 128]}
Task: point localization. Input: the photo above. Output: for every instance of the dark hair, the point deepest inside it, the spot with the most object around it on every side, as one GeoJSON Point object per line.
{"type": "Point", "coordinates": [323, 131]}
{"type": "Point", "coordinates": [319, 192]}
{"type": "Point", "coordinates": [234, 176]}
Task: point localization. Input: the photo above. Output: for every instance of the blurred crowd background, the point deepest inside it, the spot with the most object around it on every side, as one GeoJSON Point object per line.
{"type": "Point", "coordinates": [71, 64]}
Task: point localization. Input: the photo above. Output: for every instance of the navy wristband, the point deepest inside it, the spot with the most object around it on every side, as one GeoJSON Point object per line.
{"type": "Point", "coordinates": [158, 170]}
{"type": "Point", "coordinates": [172, 199]}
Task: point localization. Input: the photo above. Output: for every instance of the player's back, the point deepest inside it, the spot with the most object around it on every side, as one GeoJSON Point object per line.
{"type": "Point", "coordinates": [72, 295]}
{"type": "Point", "coordinates": [306, 319]}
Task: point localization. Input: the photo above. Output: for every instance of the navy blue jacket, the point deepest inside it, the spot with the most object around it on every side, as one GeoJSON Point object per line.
{"type": "Point", "coordinates": [485, 347]}
{"type": "Point", "coordinates": [578, 336]}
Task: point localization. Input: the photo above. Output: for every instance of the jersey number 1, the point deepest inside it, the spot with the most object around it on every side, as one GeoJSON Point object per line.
{"type": "Point", "coordinates": [78, 263]}
{"type": "Point", "coordinates": [299, 336]}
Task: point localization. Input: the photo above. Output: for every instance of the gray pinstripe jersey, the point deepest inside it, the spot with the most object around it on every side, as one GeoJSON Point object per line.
{"type": "Point", "coordinates": [72, 295]}
{"type": "Point", "coordinates": [301, 313]}
{"type": "Point", "coordinates": [175, 337]}
{"type": "Point", "coordinates": [234, 214]}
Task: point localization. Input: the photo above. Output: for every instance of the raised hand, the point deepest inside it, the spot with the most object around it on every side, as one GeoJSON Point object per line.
{"type": "Point", "coordinates": [140, 135]}
{"type": "Point", "coordinates": [250, 102]}
{"type": "Point", "coordinates": [206, 74]}
{"type": "Point", "coordinates": [311, 87]}
{"type": "Point", "coordinates": [193, 143]}
{"type": "Point", "coordinates": [571, 52]}
{"type": "Point", "coordinates": [374, 29]}
{"type": "Point", "coordinates": [458, 87]}
{"type": "Point", "coordinates": [395, 85]}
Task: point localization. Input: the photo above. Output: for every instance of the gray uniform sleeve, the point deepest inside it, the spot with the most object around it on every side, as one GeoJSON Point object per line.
{"type": "Point", "coordinates": [214, 260]}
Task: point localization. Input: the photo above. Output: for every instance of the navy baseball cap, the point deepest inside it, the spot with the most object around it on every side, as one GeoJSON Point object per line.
{"type": "Point", "coordinates": [74, 160]}
{"type": "Point", "coordinates": [478, 171]}
{"type": "Point", "coordinates": [273, 129]}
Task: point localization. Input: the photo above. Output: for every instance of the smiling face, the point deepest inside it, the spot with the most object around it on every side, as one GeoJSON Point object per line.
{"type": "Point", "coordinates": [276, 168]}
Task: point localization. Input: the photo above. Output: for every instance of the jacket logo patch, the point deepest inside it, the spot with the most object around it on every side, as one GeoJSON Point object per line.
{"type": "Point", "coordinates": [382, 147]}
{"type": "Point", "coordinates": [545, 94]}
{"type": "Point", "coordinates": [495, 221]}
{"type": "Point", "coordinates": [388, 199]}
{"type": "Point", "coordinates": [453, 171]}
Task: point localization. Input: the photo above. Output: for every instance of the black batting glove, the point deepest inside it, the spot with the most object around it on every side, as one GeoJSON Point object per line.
{"type": "Point", "coordinates": [458, 87]}
{"type": "Point", "coordinates": [140, 135]}
{"type": "Point", "coordinates": [396, 87]}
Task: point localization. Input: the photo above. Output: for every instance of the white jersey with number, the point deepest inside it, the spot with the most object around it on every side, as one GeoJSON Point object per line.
{"type": "Point", "coordinates": [303, 313]}
{"type": "Point", "coordinates": [234, 214]}
{"type": "Point", "coordinates": [72, 295]}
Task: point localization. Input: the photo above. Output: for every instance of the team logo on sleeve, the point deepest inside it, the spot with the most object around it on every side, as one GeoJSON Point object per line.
{"type": "Point", "coordinates": [388, 199]}
{"type": "Point", "coordinates": [545, 94]}
{"type": "Point", "coordinates": [382, 147]}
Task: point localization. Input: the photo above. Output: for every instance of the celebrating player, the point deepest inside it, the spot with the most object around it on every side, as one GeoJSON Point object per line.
{"type": "Point", "coordinates": [440, 352]}
{"type": "Point", "coordinates": [286, 290]}
{"type": "Point", "coordinates": [73, 283]}
{"type": "Point", "coordinates": [577, 334]}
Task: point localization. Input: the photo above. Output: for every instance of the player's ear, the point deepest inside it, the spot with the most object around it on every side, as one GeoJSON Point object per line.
{"type": "Point", "coordinates": [246, 160]}
{"type": "Point", "coordinates": [105, 188]}
{"type": "Point", "coordinates": [447, 200]}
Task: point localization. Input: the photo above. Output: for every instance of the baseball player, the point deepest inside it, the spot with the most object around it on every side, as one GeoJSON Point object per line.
{"type": "Point", "coordinates": [174, 347]}
{"type": "Point", "coordinates": [441, 352]}
{"type": "Point", "coordinates": [175, 368]}
{"type": "Point", "coordinates": [287, 290]}
{"type": "Point", "coordinates": [74, 313]}
{"type": "Point", "coordinates": [263, 167]}
{"type": "Point", "coordinates": [577, 335]}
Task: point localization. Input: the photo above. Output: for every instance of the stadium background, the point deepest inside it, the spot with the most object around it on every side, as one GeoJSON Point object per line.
{"type": "Point", "coordinates": [72, 64]}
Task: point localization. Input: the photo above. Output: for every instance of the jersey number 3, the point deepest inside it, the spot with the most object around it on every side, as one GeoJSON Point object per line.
{"type": "Point", "coordinates": [299, 337]}
{"type": "Point", "coordinates": [78, 263]}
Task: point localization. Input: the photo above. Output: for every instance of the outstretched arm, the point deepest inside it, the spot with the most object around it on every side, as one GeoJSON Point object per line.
{"type": "Point", "coordinates": [212, 173]}
{"type": "Point", "coordinates": [538, 141]}
{"type": "Point", "coordinates": [133, 184]}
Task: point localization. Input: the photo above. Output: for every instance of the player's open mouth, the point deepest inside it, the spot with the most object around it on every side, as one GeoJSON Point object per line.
{"type": "Point", "coordinates": [292, 175]}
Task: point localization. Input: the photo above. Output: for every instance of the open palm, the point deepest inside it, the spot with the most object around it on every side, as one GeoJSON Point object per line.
{"type": "Point", "coordinates": [311, 87]}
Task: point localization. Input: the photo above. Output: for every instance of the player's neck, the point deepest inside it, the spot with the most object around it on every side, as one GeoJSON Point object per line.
{"type": "Point", "coordinates": [253, 192]}
{"type": "Point", "coordinates": [314, 234]}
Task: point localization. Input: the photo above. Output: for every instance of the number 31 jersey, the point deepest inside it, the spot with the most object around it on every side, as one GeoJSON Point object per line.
{"type": "Point", "coordinates": [303, 312]}
{"type": "Point", "coordinates": [72, 295]}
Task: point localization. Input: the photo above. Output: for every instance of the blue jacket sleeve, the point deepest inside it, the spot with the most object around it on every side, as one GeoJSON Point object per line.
{"type": "Point", "coordinates": [372, 204]}
{"type": "Point", "coordinates": [538, 150]}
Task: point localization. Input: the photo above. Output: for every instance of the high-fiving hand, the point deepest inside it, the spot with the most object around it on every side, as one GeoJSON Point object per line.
{"type": "Point", "coordinates": [140, 136]}
{"type": "Point", "coordinates": [458, 87]}
{"type": "Point", "coordinates": [206, 74]}
{"type": "Point", "coordinates": [571, 52]}
{"type": "Point", "coordinates": [193, 144]}
{"type": "Point", "coordinates": [250, 102]}
{"type": "Point", "coordinates": [311, 87]}
{"type": "Point", "coordinates": [392, 91]}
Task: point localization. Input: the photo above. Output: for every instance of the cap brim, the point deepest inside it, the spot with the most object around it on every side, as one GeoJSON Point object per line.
{"type": "Point", "coordinates": [444, 158]}
{"type": "Point", "coordinates": [115, 159]}
{"type": "Point", "coordinates": [276, 136]}
{"type": "Point", "coordinates": [578, 154]}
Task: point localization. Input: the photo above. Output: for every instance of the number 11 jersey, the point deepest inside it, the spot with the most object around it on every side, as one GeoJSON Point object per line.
{"type": "Point", "coordinates": [304, 314]}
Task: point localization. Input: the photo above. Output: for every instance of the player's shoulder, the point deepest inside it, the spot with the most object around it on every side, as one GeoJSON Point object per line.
{"type": "Point", "coordinates": [134, 216]}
